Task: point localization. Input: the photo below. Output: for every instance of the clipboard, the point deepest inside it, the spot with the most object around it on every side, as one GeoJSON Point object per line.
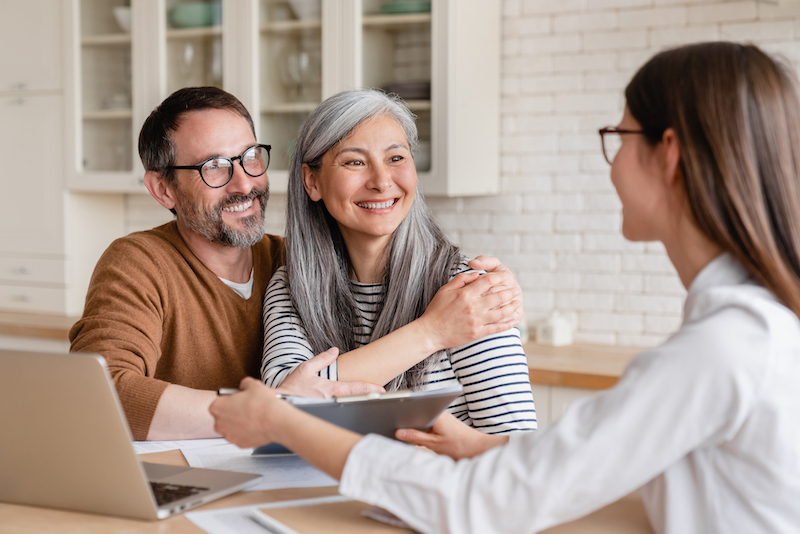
{"type": "Point", "coordinates": [375, 413]}
{"type": "Point", "coordinates": [349, 517]}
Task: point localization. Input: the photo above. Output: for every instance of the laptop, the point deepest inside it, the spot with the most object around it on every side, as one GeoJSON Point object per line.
{"type": "Point", "coordinates": [65, 443]}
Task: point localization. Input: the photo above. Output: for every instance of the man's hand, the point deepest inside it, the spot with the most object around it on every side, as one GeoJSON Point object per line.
{"type": "Point", "coordinates": [305, 381]}
{"type": "Point", "coordinates": [490, 264]}
{"type": "Point", "coordinates": [450, 436]}
{"type": "Point", "coordinates": [470, 307]}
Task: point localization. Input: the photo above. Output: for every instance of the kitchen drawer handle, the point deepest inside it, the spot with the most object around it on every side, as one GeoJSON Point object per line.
{"type": "Point", "coordinates": [23, 270]}
{"type": "Point", "coordinates": [23, 298]}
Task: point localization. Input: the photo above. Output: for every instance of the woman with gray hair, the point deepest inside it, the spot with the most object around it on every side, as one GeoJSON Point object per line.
{"type": "Point", "coordinates": [370, 272]}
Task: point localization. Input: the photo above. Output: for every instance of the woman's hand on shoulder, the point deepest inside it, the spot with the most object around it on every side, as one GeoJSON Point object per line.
{"type": "Point", "coordinates": [450, 436]}
{"type": "Point", "coordinates": [472, 306]}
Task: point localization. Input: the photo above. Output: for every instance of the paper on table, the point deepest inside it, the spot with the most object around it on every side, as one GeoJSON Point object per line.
{"type": "Point", "coordinates": [278, 471]}
{"type": "Point", "coordinates": [238, 520]}
{"type": "Point", "coordinates": [142, 447]}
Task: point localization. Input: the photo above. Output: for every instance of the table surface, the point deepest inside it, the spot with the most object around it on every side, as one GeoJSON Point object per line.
{"type": "Point", "coordinates": [626, 516]}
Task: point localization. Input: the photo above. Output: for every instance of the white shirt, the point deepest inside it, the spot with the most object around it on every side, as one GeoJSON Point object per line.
{"type": "Point", "coordinates": [708, 423]}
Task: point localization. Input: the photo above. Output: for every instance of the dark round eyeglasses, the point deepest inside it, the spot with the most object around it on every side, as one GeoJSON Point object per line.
{"type": "Point", "coordinates": [218, 171]}
{"type": "Point", "coordinates": [611, 142]}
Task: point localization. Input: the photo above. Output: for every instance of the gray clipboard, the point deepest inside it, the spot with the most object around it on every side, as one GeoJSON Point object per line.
{"type": "Point", "coordinates": [375, 413]}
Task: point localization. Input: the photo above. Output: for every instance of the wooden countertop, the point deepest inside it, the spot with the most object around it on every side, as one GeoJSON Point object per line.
{"type": "Point", "coordinates": [577, 365]}
{"type": "Point", "coordinates": [36, 325]}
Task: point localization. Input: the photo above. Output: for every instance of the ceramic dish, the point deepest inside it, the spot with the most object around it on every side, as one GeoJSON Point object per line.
{"type": "Point", "coordinates": [395, 8]}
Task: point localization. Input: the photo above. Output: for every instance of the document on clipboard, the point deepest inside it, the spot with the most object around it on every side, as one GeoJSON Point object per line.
{"type": "Point", "coordinates": [375, 413]}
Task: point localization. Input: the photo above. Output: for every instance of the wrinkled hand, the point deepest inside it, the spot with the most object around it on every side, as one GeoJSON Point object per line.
{"type": "Point", "coordinates": [251, 417]}
{"type": "Point", "coordinates": [472, 306]}
{"type": "Point", "coordinates": [450, 436]}
{"type": "Point", "coordinates": [305, 381]}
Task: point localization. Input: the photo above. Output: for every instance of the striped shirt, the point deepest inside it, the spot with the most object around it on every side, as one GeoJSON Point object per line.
{"type": "Point", "coordinates": [493, 370]}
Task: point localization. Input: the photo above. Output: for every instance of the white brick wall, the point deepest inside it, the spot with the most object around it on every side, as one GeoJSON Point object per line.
{"type": "Point", "coordinates": [556, 220]}
{"type": "Point", "coordinates": [581, 54]}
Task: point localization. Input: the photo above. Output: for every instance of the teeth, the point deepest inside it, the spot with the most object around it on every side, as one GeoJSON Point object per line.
{"type": "Point", "coordinates": [376, 205]}
{"type": "Point", "coordinates": [239, 207]}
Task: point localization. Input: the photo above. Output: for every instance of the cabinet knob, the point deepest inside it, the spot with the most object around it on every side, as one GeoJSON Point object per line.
{"type": "Point", "coordinates": [22, 298]}
{"type": "Point", "coordinates": [21, 86]}
{"type": "Point", "coordinates": [23, 270]}
{"type": "Point", "coordinates": [17, 101]}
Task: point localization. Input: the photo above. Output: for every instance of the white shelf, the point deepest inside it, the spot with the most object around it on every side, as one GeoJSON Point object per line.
{"type": "Point", "coordinates": [288, 26]}
{"type": "Point", "coordinates": [108, 114]}
{"type": "Point", "coordinates": [194, 33]}
{"type": "Point", "coordinates": [106, 39]}
{"type": "Point", "coordinates": [389, 21]}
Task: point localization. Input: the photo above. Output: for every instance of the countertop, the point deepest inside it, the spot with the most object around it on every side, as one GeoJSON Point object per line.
{"type": "Point", "coordinates": [577, 365]}
{"type": "Point", "coordinates": [36, 325]}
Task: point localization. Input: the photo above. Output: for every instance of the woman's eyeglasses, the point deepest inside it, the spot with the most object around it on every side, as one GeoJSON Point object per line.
{"type": "Point", "coordinates": [611, 141]}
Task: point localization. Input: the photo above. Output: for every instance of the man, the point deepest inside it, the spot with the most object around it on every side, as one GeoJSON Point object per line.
{"type": "Point", "coordinates": [176, 310]}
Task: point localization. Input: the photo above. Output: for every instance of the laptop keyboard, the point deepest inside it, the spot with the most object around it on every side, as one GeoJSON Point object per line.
{"type": "Point", "coordinates": [167, 493]}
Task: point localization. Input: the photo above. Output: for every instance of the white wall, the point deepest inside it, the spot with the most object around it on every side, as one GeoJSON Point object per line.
{"type": "Point", "coordinates": [556, 220]}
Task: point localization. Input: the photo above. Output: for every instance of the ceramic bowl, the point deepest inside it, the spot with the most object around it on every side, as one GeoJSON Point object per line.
{"type": "Point", "coordinates": [123, 16]}
{"type": "Point", "coordinates": [192, 14]}
{"type": "Point", "coordinates": [307, 9]}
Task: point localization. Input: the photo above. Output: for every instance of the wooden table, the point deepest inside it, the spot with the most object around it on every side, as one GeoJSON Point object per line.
{"type": "Point", "coordinates": [626, 516]}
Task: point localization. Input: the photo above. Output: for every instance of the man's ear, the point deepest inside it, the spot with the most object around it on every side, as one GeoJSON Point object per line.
{"type": "Point", "coordinates": [161, 191]}
{"type": "Point", "coordinates": [310, 183]}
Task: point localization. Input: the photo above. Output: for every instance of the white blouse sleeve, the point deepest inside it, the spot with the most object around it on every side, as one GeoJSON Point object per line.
{"type": "Point", "coordinates": [285, 342]}
{"type": "Point", "coordinates": [692, 392]}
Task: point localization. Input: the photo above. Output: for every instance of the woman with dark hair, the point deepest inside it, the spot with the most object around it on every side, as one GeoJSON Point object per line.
{"type": "Point", "coordinates": [706, 160]}
{"type": "Point", "coordinates": [365, 260]}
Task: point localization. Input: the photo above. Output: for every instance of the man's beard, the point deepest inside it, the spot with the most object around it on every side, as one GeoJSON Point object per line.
{"type": "Point", "coordinates": [208, 221]}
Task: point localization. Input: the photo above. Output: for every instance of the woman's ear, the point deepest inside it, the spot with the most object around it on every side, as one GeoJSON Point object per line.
{"type": "Point", "coordinates": [672, 156]}
{"type": "Point", "coordinates": [310, 183]}
{"type": "Point", "coordinates": [161, 191]}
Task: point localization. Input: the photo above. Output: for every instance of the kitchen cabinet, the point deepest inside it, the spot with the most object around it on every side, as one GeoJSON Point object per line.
{"type": "Point", "coordinates": [282, 58]}
{"type": "Point", "coordinates": [553, 401]}
{"type": "Point", "coordinates": [35, 27]}
{"type": "Point", "coordinates": [49, 235]}
{"type": "Point", "coordinates": [562, 375]}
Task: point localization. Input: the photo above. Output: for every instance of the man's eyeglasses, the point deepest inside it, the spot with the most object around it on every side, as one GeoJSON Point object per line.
{"type": "Point", "coordinates": [611, 141]}
{"type": "Point", "coordinates": [218, 171]}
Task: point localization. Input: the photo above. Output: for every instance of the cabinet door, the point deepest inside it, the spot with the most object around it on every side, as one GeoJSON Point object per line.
{"type": "Point", "coordinates": [290, 76]}
{"type": "Point", "coordinates": [31, 28]}
{"type": "Point", "coordinates": [31, 203]}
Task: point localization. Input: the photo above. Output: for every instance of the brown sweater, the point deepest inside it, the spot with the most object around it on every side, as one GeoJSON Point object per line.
{"type": "Point", "coordinates": [159, 316]}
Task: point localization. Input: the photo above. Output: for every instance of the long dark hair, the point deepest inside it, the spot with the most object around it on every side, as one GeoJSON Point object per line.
{"type": "Point", "coordinates": [736, 115]}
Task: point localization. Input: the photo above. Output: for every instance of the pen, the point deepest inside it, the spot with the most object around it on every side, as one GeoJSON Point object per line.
{"type": "Point", "coordinates": [233, 391]}
{"type": "Point", "coordinates": [271, 524]}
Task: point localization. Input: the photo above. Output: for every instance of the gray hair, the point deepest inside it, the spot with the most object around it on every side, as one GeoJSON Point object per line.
{"type": "Point", "coordinates": [419, 257]}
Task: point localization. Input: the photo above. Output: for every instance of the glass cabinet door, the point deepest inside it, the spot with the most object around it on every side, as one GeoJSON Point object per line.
{"type": "Point", "coordinates": [194, 44]}
{"type": "Point", "coordinates": [290, 72]}
{"type": "Point", "coordinates": [396, 57]}
{"type": "Point", "coordinates": [106, 96]}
